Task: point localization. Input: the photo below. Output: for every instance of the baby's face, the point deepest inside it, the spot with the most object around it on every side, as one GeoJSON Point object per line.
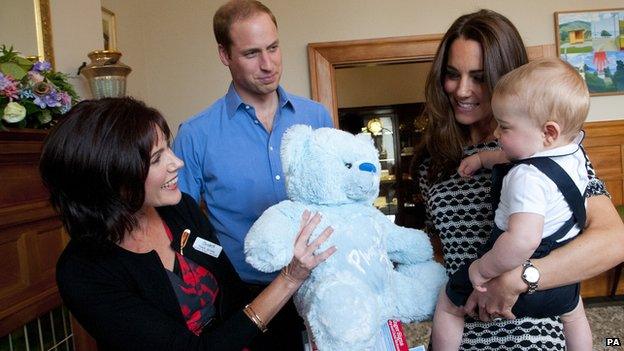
{"type": "Point", "coordinates": [518, 135]}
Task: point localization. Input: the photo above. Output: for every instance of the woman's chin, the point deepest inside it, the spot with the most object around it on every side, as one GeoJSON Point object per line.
{"type": "Point", "coordinates": [468, 119]}
{"type": "Point", "coordinates": [166, 197]}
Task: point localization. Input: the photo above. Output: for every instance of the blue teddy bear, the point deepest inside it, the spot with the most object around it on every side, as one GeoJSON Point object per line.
{"type": "Point", "coordinates": [380, 271]}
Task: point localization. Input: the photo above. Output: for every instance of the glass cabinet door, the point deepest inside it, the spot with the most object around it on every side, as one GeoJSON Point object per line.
{"type": "Point", "coordinates": [392, 131]}
{"type": "Point", "coordinates": [382, 130]}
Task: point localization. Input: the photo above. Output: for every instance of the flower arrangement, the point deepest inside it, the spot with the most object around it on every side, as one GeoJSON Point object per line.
{"type": "Point", "coordinates": [32, 95]}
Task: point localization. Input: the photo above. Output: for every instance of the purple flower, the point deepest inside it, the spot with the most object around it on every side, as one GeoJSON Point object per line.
{"type": "Point", "coordinates": [4, 81]}
{"type": "Point", "coordinates": [64, 98]}
{"type": "Point", "coordinates": [49, 100]}
{"type": "Point", "coordinates": [65, 102]}
{"type": "Point", "coordinates": [42, 66]}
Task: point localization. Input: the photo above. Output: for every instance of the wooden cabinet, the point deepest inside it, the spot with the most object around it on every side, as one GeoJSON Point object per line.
{"type": "Point", "coordinates": [31, 237]}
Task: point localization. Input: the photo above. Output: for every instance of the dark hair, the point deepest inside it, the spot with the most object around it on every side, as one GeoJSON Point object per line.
{"type": "Point", "coordinates": [503, 51]}
{"type": "Point", "coordinates": [95, 162]}
{"type": "Point", "coordinates": [233, 11]}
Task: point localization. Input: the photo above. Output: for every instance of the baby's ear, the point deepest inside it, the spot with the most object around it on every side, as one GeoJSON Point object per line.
{"type": "Point", "coordinates": [552, 132]}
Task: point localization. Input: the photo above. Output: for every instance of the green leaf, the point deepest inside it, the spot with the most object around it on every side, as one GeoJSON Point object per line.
{"type": "Point", "coordinates": [13, 70]}
{"type": "Point", "coordinates": [8, 55]}
{"type": "Point", "coordinates": [44, 117]}
{"type": "Point", "coordinates": [24, 63]}
{"type": "Point", "coordinates": [30, 106]}
{"type": "Point", "coordinates": [60, 81]}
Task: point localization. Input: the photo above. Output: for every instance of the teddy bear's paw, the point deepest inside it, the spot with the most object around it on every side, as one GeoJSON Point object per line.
{"type": "Point", "coordinates": [410, 246]}
{"type": "Point", "coordinates": [344, 316]}
{"type": "Point", "coordinates": [417, 290]}
{"type": "Point", "coordinates": [265, 260]}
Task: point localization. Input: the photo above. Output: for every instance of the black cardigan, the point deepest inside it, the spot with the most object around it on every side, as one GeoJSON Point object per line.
{"type": "Point", "coordinates": [126, 302]}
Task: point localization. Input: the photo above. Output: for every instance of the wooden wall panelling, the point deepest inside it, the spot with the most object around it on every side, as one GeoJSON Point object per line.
{"type": "Point", "coordinates": [31, 235]}
{"type": "Point", "coordinates": [604, 143]}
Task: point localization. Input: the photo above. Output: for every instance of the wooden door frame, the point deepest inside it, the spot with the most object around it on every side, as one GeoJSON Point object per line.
{"type": "Point", "coordinates": [325, 57]}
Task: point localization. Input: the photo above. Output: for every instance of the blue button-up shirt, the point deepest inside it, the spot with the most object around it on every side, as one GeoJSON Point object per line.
{"type": "Point", "coordinates": [234, 163]}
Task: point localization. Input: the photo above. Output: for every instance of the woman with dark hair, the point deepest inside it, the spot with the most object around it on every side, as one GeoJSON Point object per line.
{"type": "Point", "coordinates": [475, 52]}
{"type": "Point", "coordinates": [143, 269]}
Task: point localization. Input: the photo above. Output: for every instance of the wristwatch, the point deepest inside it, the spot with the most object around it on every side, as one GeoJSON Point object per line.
{"type": "Point", "coordinates": [530, 275]}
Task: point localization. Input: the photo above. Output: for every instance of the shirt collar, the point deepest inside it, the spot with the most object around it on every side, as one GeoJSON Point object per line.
{"type": "Point", "coordinates": [233, 100]}
{"type": "Point", "coordinates": [284, 98]}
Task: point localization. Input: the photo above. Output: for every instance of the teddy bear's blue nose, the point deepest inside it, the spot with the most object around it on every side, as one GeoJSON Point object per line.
{"type": "Point", "coordinates": [368, 167]}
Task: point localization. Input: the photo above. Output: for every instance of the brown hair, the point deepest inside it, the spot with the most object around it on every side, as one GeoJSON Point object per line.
{"type": "Point", "coordinates": [503, 50]}
{"type": "Point", "coordinates": [547, 90]}
{"type": "Point", "coordinates": [233, 11]}
{"type": "Point", "coordinates": [95, 162]}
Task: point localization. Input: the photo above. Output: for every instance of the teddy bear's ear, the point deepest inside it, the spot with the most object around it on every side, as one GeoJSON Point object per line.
{"type": "Point", "coordinates": [294, 143]}
{"type": "Point", "coordinates": [366, 137]}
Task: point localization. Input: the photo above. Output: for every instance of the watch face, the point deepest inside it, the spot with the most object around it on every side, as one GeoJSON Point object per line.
{"type": "Point", "coordinates": [531, 274]}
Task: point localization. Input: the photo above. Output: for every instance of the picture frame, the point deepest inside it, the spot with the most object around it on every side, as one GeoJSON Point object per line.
{"type": "Point", "coordinates": [593, 42]}
{"type": "Point", "coordinates": [109, 30]}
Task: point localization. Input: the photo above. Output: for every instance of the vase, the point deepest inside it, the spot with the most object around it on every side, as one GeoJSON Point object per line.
{"type": "Point", "coordinates": [106, 74]}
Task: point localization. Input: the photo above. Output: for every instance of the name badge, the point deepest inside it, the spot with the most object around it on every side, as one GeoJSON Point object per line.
{"type": "Point", "coordinates": [207, 247]}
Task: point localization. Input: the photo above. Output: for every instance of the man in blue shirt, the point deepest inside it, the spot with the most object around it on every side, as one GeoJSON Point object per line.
{"type": "Point", "coordinates": [231, 150]}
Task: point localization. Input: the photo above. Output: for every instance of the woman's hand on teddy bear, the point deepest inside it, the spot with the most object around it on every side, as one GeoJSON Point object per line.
{"type": "Point", "coordinates": [304, 259]}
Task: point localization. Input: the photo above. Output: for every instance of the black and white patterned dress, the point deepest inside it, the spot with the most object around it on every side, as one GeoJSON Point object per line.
{"type": "Point", "coordinates": [459, 211]}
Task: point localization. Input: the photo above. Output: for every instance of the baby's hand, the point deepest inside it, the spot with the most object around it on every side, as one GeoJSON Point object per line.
{"type": "Point", "coordinates": [470, 165]}
{"type": "Point", "coordinates": [476, 278]}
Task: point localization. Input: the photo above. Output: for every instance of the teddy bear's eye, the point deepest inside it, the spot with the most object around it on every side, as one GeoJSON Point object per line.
{"type": "Point", "coordinates": [348, 165]}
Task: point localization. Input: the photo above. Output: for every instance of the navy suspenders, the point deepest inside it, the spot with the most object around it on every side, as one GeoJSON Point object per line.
{"type": "Point", "coordinates": [566, 185]}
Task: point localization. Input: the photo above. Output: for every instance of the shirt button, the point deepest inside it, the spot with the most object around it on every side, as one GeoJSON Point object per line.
{"type": "Point", "coordinates": [277, 177]}
{"type": "Point", "coordinates": [271, 148]}
{"type": "Point", "coordinates": [246, 107]}
{"type": "Point", "coordinates": [255, 121]}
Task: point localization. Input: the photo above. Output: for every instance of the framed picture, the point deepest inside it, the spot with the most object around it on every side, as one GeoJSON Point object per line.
{"type": "Point", "coordinates": [109, 29]}
{"type": "Point", "coordinates": [593, 42]}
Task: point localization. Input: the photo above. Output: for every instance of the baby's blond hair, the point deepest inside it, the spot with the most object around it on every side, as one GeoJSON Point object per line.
{"type": "Point", "coordinates": [549, 90]}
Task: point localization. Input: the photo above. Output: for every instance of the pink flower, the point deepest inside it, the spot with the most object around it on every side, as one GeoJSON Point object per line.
{"type": "Point", "coordinates": [35, 77]}
{"type": "Point", "coordinates": [65, 98]}
{"type": "Point", "coordinates": [8, 87]}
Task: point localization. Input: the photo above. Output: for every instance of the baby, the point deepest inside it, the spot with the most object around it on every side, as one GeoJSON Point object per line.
{"type": "Point", "coordinates": [539, 205]}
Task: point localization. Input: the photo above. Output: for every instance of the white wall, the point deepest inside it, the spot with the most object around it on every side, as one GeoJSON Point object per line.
{"type": "Point", "coordinates": [171, 48]}
{"type": "Point", "coordinates": [17, 26]}
{"type": "Point", "coordinates": [131, 43]}
{"type": "Point", "coordinates": [76, 31]}
{"type": "Point", "coordinates": [381, 84]}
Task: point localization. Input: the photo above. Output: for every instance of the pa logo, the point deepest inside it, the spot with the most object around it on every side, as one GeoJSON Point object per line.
{"type": "Point", "coordinates": [613, 342]}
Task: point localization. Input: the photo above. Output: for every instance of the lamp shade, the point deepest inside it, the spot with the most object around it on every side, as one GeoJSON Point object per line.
{"type": "Point", "coordinates": [106, 75]}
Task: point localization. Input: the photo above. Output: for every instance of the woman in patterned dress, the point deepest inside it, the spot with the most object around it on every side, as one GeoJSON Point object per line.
{"type": "Point", "coordinates": [474, 53]}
